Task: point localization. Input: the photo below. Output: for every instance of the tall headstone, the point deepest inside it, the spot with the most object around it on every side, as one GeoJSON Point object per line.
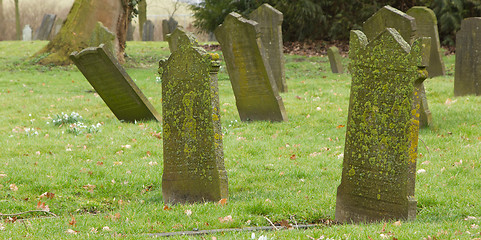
{"type": "Point", "coordinates": [102, 35]}
{"type": "Point", "coordinates": [427, 26]}
{"type": "Point", "coordinates": [181, 37]}
{"type": "Point", "coordinates": [467, 76]}
{"type": "Point", "coordinates": [168, 26]}
{"type": "Point", "coordinates": [130, 32]}
{"type": "Point", "coordinates": [192, 135]}
{"type": "Point", "coordinates": [114, 85]}
{"type": "Point", "coordinates": [255, 90]}
{"type": "Point", "coordinates": [148, 31]}
{"type": "Point", "coordinates": [57, 25]}
{"type": "Point", "coordinates": [270, 26]}
{"type": "Point", "coordinates": [335, 60]}
{"type": "Point", "coordinates": [379, 167]}
{"type": "Point", "coordinates": [27, 33]}
{"type": "Point", "coordinates": [389, 17]}
{"type": "Point", "coordinates": [43, 31]}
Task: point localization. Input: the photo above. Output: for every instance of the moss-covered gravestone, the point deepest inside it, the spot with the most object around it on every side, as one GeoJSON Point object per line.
{"type": "Point", "coordinates": [114, 85]}
{"type": "Point", "coordinates": [335, 60]}
{"type": "Point", "coordinates": [389, 17]}
{"type": "Point", "coordinates": [254, 87]}
{"type": "Point", "coordinates": [148, 31]}
{"type": "Point", "coordinates": [467, 77]}
{"type": "Point", "coordinates": [378, 174]}
{"type": "Point", "coordinates": [181, 37]}
{"type": "Point", "coordinates": [427, 26]}
{"type": "Point", "coordinates": [192, 136]}
{"type": "Point", "coordinates": [102, 35]}
{"type": "Point", "coordinates": [45, 28]}
{"type": "Point", "coordinates": [270, 26]}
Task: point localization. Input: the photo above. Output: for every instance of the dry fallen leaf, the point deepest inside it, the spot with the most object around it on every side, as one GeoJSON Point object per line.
{"type": "Point", "coordinates": [222, 202]}
{"type": "Point", "coordinates": [3, 175]}
{"type": "Point", "coordinates": [42, 206]}
{"type": "Point", "coordinates": [397, 223]}
{"type": "Point", "coordinates": [13, 187]}
{"type": "Point", "coordinates": [167, 208]}
{"type": "Point", "coordinates": [71, 231]}
{"type": "Point", "coordinates": [188, 212]}
{"type": "Point", "coordinates": [106, 228]}
{"type": "Point", "coordinates": [47, 195]}
{"type": "Point", "coordinates": [227, 218]}
{"type": "Point", "coordinates": [340, 126]}
{"type": "Point", "coordinates": [293, 157]}
{"type": "Point", "coordinates": [89, 187]}
{"type": "Point", "coordinates": [72, 221]}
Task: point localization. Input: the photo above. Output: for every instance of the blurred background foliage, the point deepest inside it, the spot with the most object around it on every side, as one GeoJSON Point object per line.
{"type": "Point", "coordinates": [332, 19]}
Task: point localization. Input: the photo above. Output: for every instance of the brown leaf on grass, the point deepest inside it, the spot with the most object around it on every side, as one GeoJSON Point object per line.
{"type": "Point", "coordinates": [13, 187]}
{"type": "Point", "coordinates": [156, 134]}
{"type": "Point", "coordinates": [48, 195]}
{"type": "Point", "coordinates": [222, 202]}
{"type": "Point", "coordinates": [285, 223]}
{"type": "Point", "coordinates": [227, 218]}
{"type": "Point", "coordinates": [167, 208]}
{"type": "Point", "coordinates": [188, 212]}
{"type": "Point", "coordinates": [89, 187]}
{"type": "Point", "coordinates": [2, 175]}
{"type": "Point", "coordinates": [340, 126]}
{"type": "Point", "coordinates": [397, 223]}
{"type": "Point", "coordinates": [293, 157]}
{"type": "Point", "coordinates": [71, 231]}
{"type": "Point", "coordinates": [72, 221]}
{"type": "Point", "coordinates": [42, 206]}
{"type": "Point", "coordinates": [117, 163]}
{"type": "Point", "coordinates": [100, 163]}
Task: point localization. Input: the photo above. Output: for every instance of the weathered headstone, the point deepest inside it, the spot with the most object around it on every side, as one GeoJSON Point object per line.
{"type": "Point", "coordinates": [389, 17]}
{"type": "Point", "coordinates": [379, 168]}
{"type": "Point", "coordinates": [192, 135]}
{"type": "Point", "coordinates": [130, 32]}
{"type": "Point", "coordinates": [467, 76]}
{"type": "Point", "coordinates": [43, 31]}
{"type": "Point", "coordinates": [102, 35]}
{"type": "Point", "coordinates": [57, 25]}
{"type": "Point", "coordinates": [27, 33]}
{"type": "Point", "coordinates": [335, 60]}
{"type": "Point", "coordinates": [148, 31]}
{"type": "Point", "coordinates": [254, 87]}
{"type": "Point", "coordinates": [168, 26]}
{"type": "Point", "coordinates": [181, 37]}
{"type": "Point", "coordinates": [427, 26]}
{"type": "Point", "coordinates": [114, 85]}
{"type": "Point", "coordinates": [270, 26]}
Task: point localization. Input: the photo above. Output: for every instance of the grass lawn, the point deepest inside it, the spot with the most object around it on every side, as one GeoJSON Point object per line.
{"type": "Point", "coordinates": [105, 181]}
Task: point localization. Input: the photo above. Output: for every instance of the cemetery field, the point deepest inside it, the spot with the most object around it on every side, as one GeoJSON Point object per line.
{"type": "Point", "coordinates": [102, 178]}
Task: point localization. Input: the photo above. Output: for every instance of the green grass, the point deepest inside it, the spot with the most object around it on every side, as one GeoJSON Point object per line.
{"type": "Point", "coordinates": [286, 170]}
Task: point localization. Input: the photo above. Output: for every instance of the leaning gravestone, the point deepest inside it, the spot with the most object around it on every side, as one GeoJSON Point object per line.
{"type": "Point", "coordinates": [335, 60]}
{"type": "Point", "coordinates": [389, 17]}
{"type": "Point", "coordinates": [379, 168]}
{"type": "Point", "coordinates": [468, 58]}
{"type": "Point", "coordinates": [102, 35]}
{"type": "Point", "coordinates": [270, 26]}
{"type": "Point", "coordinates": [181, 37]}
{"type": "Point", "coordinates": [27, 33]}
{"type": "Point", "coordinates": [114, 85]}
{"type": "Point", "coordinates": [45, 27]}
{"type": "Point", "coordinates": [148, 31]}
{"type": "Point", "coordinates": [192, 135]}
{"type": "Point", "coordinates": [254, 87]}
{"type": "Point", "coordinates": [427, 26]}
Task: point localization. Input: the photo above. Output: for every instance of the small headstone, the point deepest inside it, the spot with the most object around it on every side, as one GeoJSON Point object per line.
{"type": "Point", "coordinates": [102, 35]}
{"type": "Point", "coordinates": [168, 26]}
{"type": "Point", "coordinates": [114, 85]}
{"type": "Point", "coordinates": [130, 32]}
{"type": "Point", "coordinates": [148, 31]}
{"type": "Point", "coordinates": [270, 26]}
{"type": "Point", "coordinates": [467, 74]}
{"type": "Point", "coordinates": [172, 24]}
{"type": "Point", "coordinates": [249, 71]}
{"type": "Point", "coordinates": [181, 37]}
{"type": "Point", "coordinates": [56, 28]}
{"type": "Point", "coordinates": [27, 33]}
{"type": "Point", "coordinates": [427, 26]}
{"type": "Point", "coordinates": [335, 60]}
{"type": "Point", "coordinates": [44, 30]}
{"type": "Point", "coordinates": [192, 135]}
{"type": "Point", "coordinates": [379, 167]}
{"type": "Point", "coordinates": [389, 17]}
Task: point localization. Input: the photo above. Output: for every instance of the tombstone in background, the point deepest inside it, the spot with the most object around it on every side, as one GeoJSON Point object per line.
{"type": "Point", "coordinates": [192, 134]}
{"type": "Point", "coordinates": [114, 85]}
{"type": "Point", "coordinates": [427, 26]}
{"type": "Point", "coordinates": [335, 60]}
{"type": "Point", "coordinates": [389, 17]}
{"type": "Point", "coordinates": [270, 26]}
{"type": "Point", "coordinates": [181, 37]}
{"type": "Point", "coordinates": [27, 33]}
{"type": "Point", "coordinates": [249, 71]}
{"type": "Point", "coordinates": [467, 72]}
{"type": "Point", "coordinates": [43, 31]}
{"type": "Point", "coordinates": [56, 28]}
{"type": "Point", "coordinates": [102, 35]}
{"type": "Point", "coordinates": [130, 32]}
{"type": "Point", "coordinates": [148, 31]}
{"type": "Point", "coordinates": [168, 26]}
{"type": "Point", "coordinates": [379, 167]}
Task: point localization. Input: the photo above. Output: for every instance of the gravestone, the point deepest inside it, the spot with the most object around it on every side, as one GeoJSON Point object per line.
{"type": "Point", "coordinates": [57, 25]}
{"type": "Point", "coordinates": [27, 33]}
{"type": "Point", "coordinates": [168, 26]}
{"type": "Point", "coordinates": [254, 87]}
{"type": "Point", "coordinates": [130, 32]}
{"type": "Point", "coordinates": [102, 35]}
{"type": "Point", "coordinates": [181, 37]}
{"type": "Point", "coordinates": [335, 60]}
{"type": "Point", "coordinates": [270, 26]}
{"type": "Point", "coordinates": [148, 31]}
{"type": "Point", "coordinates": [379, 167]}
{"type": "Point", "coordinates": [192, 134]}
{"type": "Point", "coordinates": [43, 31]}
{"type": "Point", "coordinates": [389, 17]}
{"type": "Point", "coordinates": [427, 26]}
{"type": "Point", "coordinates": [468, 58]}
{"type": "Point", "coordinates": [114, 85]}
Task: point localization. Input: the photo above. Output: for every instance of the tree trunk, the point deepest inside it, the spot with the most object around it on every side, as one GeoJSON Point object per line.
{"type": "Point", "coordinates": [2, 20]}
{"type": "Point", "coordinates": [17, 21]}
{"type": "Point", "coordinates": [79, 25]}
{"type": "Point", "coordinates": [142, 16]}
